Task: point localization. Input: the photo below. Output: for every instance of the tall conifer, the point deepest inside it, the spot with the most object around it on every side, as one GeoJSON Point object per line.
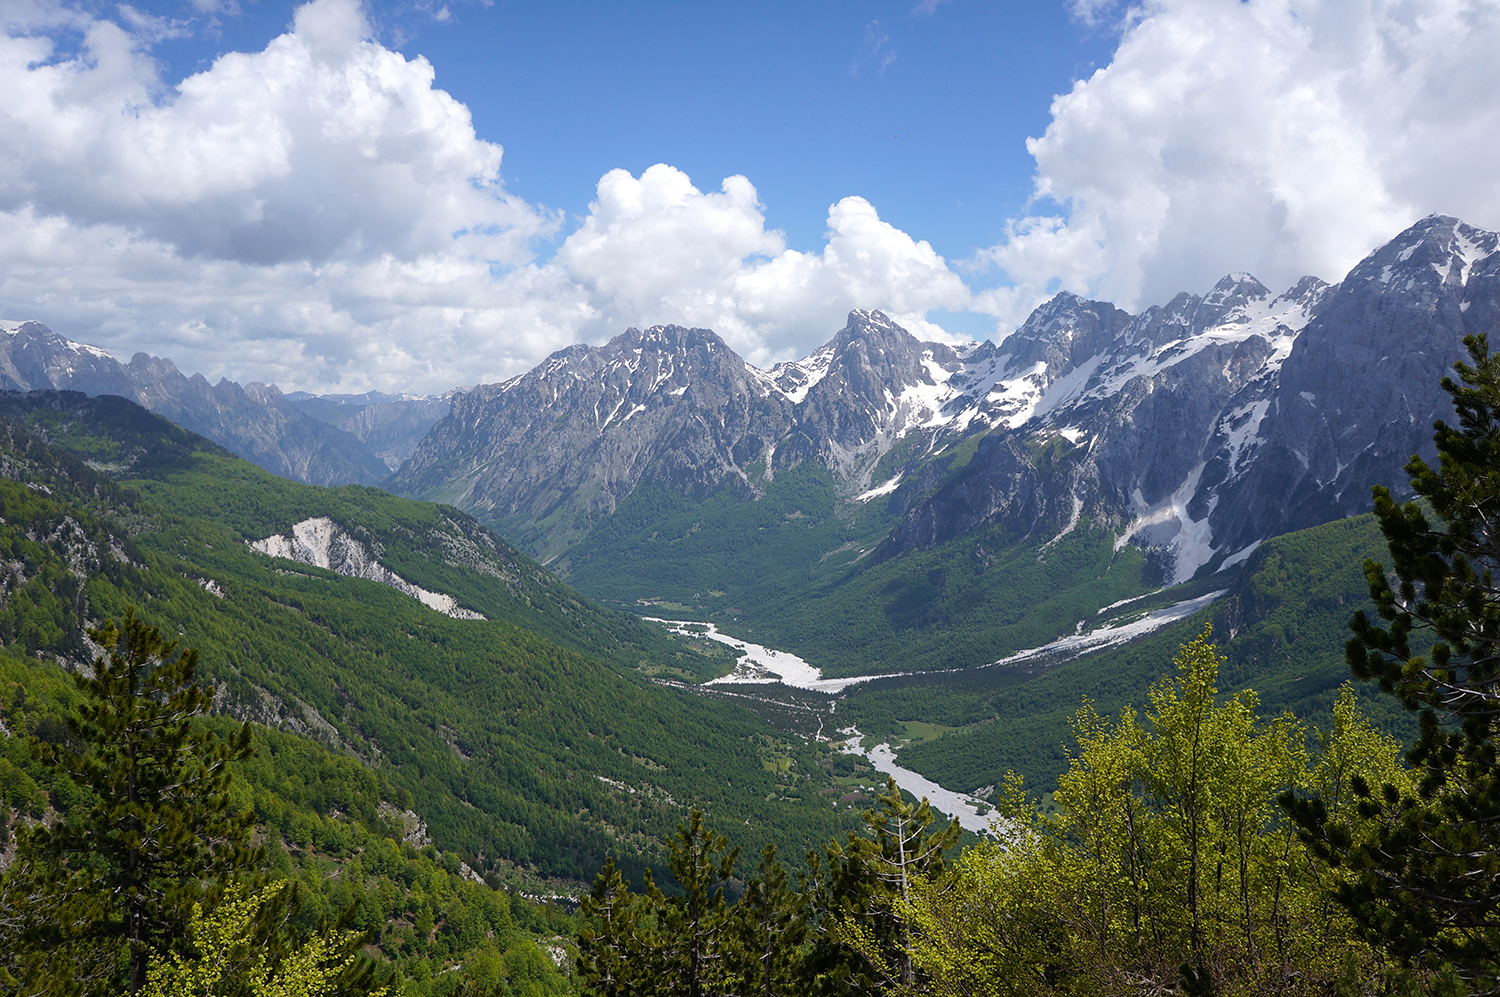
{"type": "Point", "coordinates": [1427, 883]}
{"type": "Point", "coordinates": [118, 876]}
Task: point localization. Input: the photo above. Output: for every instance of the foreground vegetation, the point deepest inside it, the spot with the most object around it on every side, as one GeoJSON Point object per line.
{"type": "Point", "coordinates": [1165, 865]}
{"type": "Point", "coordinates": [162, 874]}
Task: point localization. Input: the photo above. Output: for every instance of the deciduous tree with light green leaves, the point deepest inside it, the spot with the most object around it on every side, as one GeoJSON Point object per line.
{"type": "Point", "coordinates": [1167, 866]}
{"type": "Point", "coordinates": [219, 959]}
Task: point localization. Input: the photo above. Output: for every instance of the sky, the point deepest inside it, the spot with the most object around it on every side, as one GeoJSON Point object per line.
{"type": "Point", "coordinates": [406, 195]}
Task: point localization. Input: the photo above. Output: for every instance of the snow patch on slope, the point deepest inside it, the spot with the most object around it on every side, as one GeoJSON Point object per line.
{"type": "Point", "coordinates": [1279, 329]}
{"type": "Point", "coordinates": [1469, 252]}
{"type": "Point", "coordinates": [1077, 645]}
{"type": "Point", "coordinates": [1167, 524]}
{"type": "Point", "coordinates": [797, 377]}
{"type": "Point", "coordinates": [323, 543]}
{"type": "Point", "coordinates": [884, 488]}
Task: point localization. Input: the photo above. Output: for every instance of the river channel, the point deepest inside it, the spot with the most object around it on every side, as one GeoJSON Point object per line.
{"type": "Point", "coordinates": [761, 665]}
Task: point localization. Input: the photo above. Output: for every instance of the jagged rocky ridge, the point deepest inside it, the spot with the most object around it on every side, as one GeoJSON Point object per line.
{"type": "Point", "coordinates": [1211, 425]}
{"type": "Point", "coordinates": [550, 453]}
{"type": "Point", "coordinates": [253, 420]}
{"type": "Point", "coordinates": [1195, 429]}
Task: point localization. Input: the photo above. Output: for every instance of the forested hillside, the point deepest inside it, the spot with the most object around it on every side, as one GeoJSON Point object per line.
{"type": "Point", "coordinates": [528, 743]}
{"type": "Point", "coordinates": [326, 823]}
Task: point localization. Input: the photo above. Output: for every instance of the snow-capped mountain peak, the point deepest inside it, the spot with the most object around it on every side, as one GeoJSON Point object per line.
{"type": "Point", "coordinates": [1196, 428]}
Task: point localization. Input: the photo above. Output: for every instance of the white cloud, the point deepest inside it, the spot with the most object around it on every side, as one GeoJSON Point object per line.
{"type": "Point", "coordinates": [658, 246]}
{"type": "Point", "coordinates": [323, 146]}
{"type": "Point", "coordinates": [876, 51]}
{"type": "Point", "coordinates": [1281, 137]}
{"type": "Point", "coordinates": [785, 299]}
{"type": "Point", "coordinates": [318, 214]}
{"type": "Point", "coordinates": [656, 249]}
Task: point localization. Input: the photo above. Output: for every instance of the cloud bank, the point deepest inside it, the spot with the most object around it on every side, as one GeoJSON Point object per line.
{"type": "Point", "coordinates": [319, 214]}
{"type": "Point", "coordinates": [1281, 137]}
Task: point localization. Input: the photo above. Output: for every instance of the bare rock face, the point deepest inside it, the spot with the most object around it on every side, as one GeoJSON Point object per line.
{"type": "Point", "coordinates": [564, 443]}
{"type": "Point", "coordinates": [34, 357]}
{"type": "Point", "coordinates": [548, 455]}
{"type": "Point", "coordinates": [325, 544]}
{"type": "Point", "coordinates": [1121, 411]}
{"type": "Point", "coordinates": [1212, 424]}
{"type": "Point", "coordinates": [1359, 392]}
{"type": "Point", "coordinates": [254, 421]}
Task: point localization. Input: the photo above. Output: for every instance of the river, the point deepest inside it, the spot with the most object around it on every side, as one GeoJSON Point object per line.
{"type": "Point", "coordinates": [945, 801]}
{"type": "Point", "coordinates": [761, 665]}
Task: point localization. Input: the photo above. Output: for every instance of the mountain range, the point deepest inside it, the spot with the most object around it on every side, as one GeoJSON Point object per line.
{"type": "Point", "coordinates": [884, 478]}
{"type": "Point", "coordinates": [332, 440]}
{"type": "Point", "coordinates": [1189, 433]}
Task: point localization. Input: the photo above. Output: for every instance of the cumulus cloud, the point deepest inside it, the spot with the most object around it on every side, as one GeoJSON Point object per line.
{"type": "Point", "coordinates": [325, 145]}
{"type": "Point", "coordinates": [319, 215]}
{"type": "Point", "coordinates": [657, 249]}
{"type": "Point", "coordinates": [657, 245]}
{"type": "Point", "coordinates": [1281, 137]}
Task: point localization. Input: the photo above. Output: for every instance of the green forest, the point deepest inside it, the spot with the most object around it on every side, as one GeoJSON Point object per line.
{"type": "Point", "coordinates": [419, 776]}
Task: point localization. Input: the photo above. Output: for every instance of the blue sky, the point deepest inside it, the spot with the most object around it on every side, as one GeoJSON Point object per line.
{"type": "Point", "coordinates": [315, 193]}
{"type": "Point", "coordinates": [923, 111]}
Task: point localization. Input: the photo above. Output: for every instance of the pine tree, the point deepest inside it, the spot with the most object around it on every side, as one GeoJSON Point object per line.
{"type": "Point", "coordinates": [613, 949]}
{"type": "Point", "coordinates": [1427, 878]}
{"type": "Point", "coordinates": [157, 835]}
{"type": "Point", "coordinates": [694, 926]}
{"type": "Point", "coordinates": [771, 921]}
{"type": "Point", "coordinates": [866, 942]}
